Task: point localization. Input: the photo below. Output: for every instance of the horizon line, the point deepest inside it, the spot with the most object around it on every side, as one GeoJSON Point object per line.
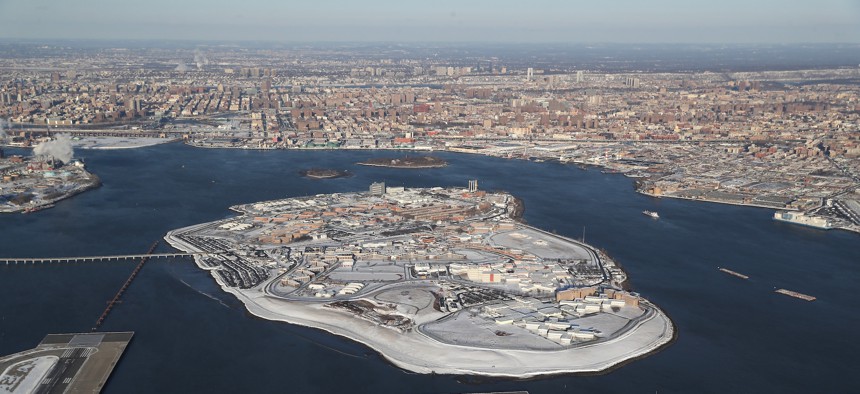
{"type": "Point", "coordinates": [442, 42]}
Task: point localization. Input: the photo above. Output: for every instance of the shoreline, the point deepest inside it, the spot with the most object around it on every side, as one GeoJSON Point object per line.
{"type": "Point", "coordinates": [404, 167]}
{"type": "Point", "coordinates": [380, 339]}
{"type": "Point", "coordinates": [740, 204]}
{"type": "Point", "coordinates": [557, 369]}
{"type": "Point", "coordinates": [852, 230]}
{"type": "Point", "coordinates": [470, 152]}
{"type": "Point", "coordinates": [126, 147]}
{"type": "Point", "coordinates": [91, 143]}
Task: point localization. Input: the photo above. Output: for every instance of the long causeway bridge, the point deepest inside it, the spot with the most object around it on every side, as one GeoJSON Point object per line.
{"type": "Point", "coordinates": [87, 259]}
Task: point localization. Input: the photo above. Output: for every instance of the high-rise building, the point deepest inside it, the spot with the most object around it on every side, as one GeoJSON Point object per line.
{"type": "Point", "coordinates": [267, 85]}
{"type": "Point", "coordinates": [377, 188]}
{"type": "Point", "coordinates": [473, 185]}
{"type": "Point", "coordinates": [580, 76]}
{"type": "Point", "coordinates": [530, 73]}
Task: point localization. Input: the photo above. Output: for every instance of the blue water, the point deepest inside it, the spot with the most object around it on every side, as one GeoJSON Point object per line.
{"type": "Point", "coordinates": [734, 335]}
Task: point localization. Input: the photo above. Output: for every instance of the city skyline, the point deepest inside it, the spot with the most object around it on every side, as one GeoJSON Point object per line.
{"type": "Point", "coordinates": [666, 21]}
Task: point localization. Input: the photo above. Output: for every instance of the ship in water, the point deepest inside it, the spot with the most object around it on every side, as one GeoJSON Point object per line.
{"type": "Point", "coordinates": [795, 294]}
{"type": "Point", "coordinates": [733, 273]}
{"type": "Point", "coordinates": [651, 214]}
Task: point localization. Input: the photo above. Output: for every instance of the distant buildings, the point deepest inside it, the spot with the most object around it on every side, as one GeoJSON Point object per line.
{"type": "Point", "coordinates": [377, 188]}
{"type": "Point", "coordinates": [632, 82]}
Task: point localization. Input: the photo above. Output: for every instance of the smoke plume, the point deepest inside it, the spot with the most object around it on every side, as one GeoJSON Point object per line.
{"type": "Point", "coordinates": [181, 67]}
{"type": "Point", "coordinates": [60, 148]}
{"type": "Point", "coordinates": [200, 59]}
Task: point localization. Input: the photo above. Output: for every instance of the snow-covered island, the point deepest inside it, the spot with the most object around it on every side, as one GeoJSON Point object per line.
{"type": "Point", "coordinates": [32, 183]}
{"type": "Point", "coordinates": [436, 280]}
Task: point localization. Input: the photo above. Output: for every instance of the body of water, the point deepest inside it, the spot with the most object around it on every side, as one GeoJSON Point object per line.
{"type": "Point", "coordinates": [734, 335]}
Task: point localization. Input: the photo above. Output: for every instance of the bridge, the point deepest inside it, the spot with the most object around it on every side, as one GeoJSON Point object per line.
{"type": "Point", "coordinates": [86, 259]}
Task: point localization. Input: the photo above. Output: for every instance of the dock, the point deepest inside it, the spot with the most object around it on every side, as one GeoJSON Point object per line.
{"type": "Point", "coordinates": [795, 294]}
{"type": "Point", "coordinates": [64, 363]}
{"type": "Point", "coordinates": [733, 273]}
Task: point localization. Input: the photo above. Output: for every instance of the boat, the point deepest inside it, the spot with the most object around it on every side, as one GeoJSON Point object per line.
{"type": "Point", "coordinates": [730, 272]}
{"type": "Point", "coordinates": [651, 214]}
{"type": "Point", "coordinates": [795, 294]}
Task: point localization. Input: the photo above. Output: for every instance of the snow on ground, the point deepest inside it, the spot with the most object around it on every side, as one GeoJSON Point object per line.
{"type": "Point", "coordinates": [117, 142]}
{"type": "Point", "coordinates": [606, 323]}
{"type": "Point", "coordinates": [348, 276]}
{"type": "Point", "coordinates": [540, 245]}
{"type": "Point", "coordinates": [410, 301]}
{"type": "Point", "coordinates": [417, 352]}
{"type": "Point", "coordinates": [24, 377]}
{"type": "Point", "coordinates": [464, 329]}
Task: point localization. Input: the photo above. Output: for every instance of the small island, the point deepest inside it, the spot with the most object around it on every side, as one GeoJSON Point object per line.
{"type": "Point", "coordinates": [406, 162]}
{"type": "Point", "coordinates": [444, 281]}
{"type": "Point", "coordinates": [324, 173]}
{"type": "Point", "coordinates": [30, 184]}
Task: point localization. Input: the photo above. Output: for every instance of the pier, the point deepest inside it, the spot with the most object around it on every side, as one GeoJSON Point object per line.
{"type": "Point", "coordinates": [125, 286]}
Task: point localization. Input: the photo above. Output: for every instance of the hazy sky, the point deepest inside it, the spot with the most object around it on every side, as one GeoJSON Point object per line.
{"type": "Point", "coordinates": [669, 21]}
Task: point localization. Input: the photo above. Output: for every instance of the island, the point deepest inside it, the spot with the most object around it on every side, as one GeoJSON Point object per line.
{"type": "Point", "coordinates": [324, 173]}
{"type": "Point", "coordinates": [437, 280]}
{"type": "Point", "coordinates": [29, 184]}
{"type": "Point", "coordinates": [406, 162]}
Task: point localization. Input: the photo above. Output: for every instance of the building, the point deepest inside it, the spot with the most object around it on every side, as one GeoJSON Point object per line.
{"type": "Point", "coordinates": [377, 188]}
{"type": "Point", "coordinates": [530, 73]}
{"type": "Point", "coordinates": [473, 185]}
{"type": "Point", "coordinates": [267, 85]}
{"type": "Point", "coordinates": [580, 76]}
{"type": "Point", "coordinates": [572, 294]}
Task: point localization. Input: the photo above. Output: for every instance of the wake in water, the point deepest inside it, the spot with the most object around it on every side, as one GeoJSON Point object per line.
{"type": "Point", "coordinates": [172, 270]}
{"type": "Point", "coordinates": [210, 296]}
